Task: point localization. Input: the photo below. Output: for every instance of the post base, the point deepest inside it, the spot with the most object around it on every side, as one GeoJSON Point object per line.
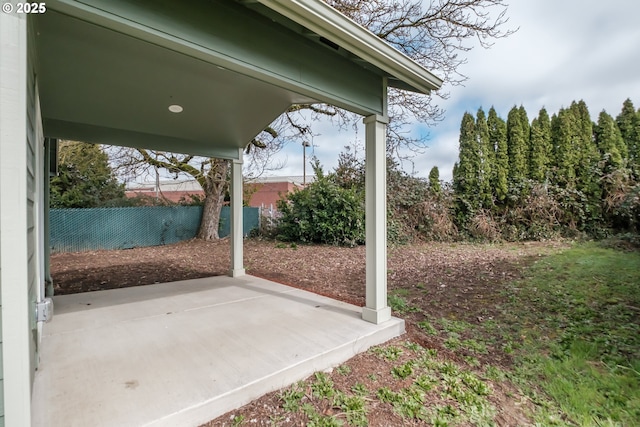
{"type": "Point", "coordinates": [237, 272]}
{"type": "Point", "coordinates": [376, 316]}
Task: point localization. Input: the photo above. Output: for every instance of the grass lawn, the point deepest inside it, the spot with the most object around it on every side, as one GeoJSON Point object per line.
{"type": "Point", "coordinates": [579, 312]}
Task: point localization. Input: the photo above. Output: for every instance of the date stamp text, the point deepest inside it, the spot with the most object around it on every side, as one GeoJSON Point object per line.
{"type": "Point", "coordinates": [24, 8]}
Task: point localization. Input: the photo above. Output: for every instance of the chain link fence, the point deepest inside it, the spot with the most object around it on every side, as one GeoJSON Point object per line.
{"type": "Point", "coordinates": [76, 230]}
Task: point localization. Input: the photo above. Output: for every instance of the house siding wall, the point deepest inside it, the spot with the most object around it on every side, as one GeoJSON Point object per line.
{"type": "Point", "coordinates": [20, 136]}
{"type": "Point", "coordinates": [34, 143]}
{"type": "Point", "coordinates": [15, 389]}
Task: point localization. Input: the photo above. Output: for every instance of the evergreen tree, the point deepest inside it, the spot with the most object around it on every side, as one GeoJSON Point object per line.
{"type": "Point", "coordinates": [498, 140]}
{"type": "Point", "coordinates": [526, 134]}
{"type": "Point", "coordinates": [486, 160]}
{"type": "Point", "coordinates": [455, 175]}
{"type": "Point", "coordinates": [629, 124]}
{"type": "Point", "coordinates": [610, 143]}
{"type": "Point", "coordinates": [563, 129]}
{"type": "Point", "coordinates": [587, 174]}
{"type": "Point", "coordinates": [540, 154]}
{"type": "Point", "coordinates": [434, 181]}
{"type": "Point", "coordinates": [85, 179]}
{"type": "Point", "coordinates": [466, 178]}
{"type": "Point", "coordinates": [588, 171]}
{"type": "Point", "coordinates": [517, 146]}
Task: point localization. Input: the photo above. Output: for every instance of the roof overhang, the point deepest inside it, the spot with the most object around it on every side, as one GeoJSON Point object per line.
{"type": "Point", "coordinates": [322, 19]}
{"type": "Point", "coordinates": [109, 69]}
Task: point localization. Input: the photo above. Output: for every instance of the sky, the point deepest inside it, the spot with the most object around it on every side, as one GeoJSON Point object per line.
{"type": "Point", "coordinates": [564, 50]}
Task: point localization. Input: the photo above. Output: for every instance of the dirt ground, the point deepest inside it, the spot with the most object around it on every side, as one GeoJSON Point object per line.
{"type": "Point", "coordinates": [460, 282]}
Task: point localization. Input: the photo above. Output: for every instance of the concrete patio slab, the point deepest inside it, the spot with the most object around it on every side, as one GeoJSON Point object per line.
{"type": "Point", "coordinates": [183, 353]}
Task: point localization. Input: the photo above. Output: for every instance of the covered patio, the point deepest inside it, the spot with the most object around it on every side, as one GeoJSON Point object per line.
{"type": "Point", "coordinates": [183, 353]}
{"type": "Point", "coordinates": [202, 77]}
{"type": "Point", "coordinates": [205, 77]}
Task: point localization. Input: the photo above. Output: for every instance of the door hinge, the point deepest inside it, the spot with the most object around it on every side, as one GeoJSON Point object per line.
{"type": "Point", "coordinates": [44, 310]}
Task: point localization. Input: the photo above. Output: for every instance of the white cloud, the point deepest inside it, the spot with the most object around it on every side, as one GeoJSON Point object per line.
{"type": "Point", "coordinates": [442, 152]}
{"type": "Point", "coordinates": [563, 51]}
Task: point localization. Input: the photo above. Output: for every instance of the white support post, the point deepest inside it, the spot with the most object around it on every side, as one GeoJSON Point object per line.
{"type": "Point", "coordinates": [15, 309]}
{"type": "Point", "coordinates": [237, 233]}
{"type": "Point", "coordinates": [376, 310]}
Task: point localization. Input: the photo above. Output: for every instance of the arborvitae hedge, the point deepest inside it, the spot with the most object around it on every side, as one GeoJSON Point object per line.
{"type": "Point", "coordinates": [558, 176]}
{"type": "Point", "coordinates": [588, 170]}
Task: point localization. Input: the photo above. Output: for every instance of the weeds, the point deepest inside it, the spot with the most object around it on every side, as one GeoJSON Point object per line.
{"type": "Point", "coordinates": [426, 382]}
{"type": "Point", "coordinates": [343, 369]}
{"type": "Point", "coordinates": [427, 327]}
{"type": "Point", "coordinates": [399, 304]}
{"type": "Point", "coordinates": [323, 386]}
{"type": "Point", "coordinates": [464, 392]}
{"type": "Point", "coordinates": [292, 397]}
{"type": "Point", "coordinates": [389, 353]}
{"type": "Point", "coordinates": [403, 371]}
{"type": "Point", "coordinates": [415, 347]}
{"type": "Point", "coordinates": [475, 346]}
{"type": "Point", "coordinates": [354, 408]}
{"type": "Point", "coordinates": [456, 326]}
{"type": "Point", "coordinates": [237, 420]}
{"type": "Point", "coordinates": [318, 420]}
{"type": "Point", "coordinates": [360, 390]}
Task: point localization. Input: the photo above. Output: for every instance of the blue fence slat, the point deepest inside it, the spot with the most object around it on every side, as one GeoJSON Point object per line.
{"type": "Point", "coordinates": [75, 230]}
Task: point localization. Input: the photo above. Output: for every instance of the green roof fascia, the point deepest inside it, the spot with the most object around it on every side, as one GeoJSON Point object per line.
{"type": "Point", "coordinates": [327, 22]}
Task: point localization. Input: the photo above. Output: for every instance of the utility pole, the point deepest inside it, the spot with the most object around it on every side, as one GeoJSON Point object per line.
{"type": "Point", "coordinates": [157, 183]}
{"type": "Point", "coordinates": [305, 144]}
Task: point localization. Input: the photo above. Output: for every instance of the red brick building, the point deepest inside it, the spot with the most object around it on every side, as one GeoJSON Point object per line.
{"type": "Point", "coordinates": [265, 192]}
{"type": "Point", "coordinates": [260, 192]}
{"type": "Point", "coordinates": [172, 191]}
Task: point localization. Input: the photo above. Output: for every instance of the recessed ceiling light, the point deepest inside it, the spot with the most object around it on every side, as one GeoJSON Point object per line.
{"type": "Point", "coordinates": [175, 108]}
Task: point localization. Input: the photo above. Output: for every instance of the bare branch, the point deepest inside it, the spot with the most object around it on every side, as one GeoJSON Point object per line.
{"type": "Point", "coordinates": [432, 33]}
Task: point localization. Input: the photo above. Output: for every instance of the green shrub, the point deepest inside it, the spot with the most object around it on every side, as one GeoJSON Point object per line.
{"type": "Point", "coordinates": [628, 211]}
{"type": "Point", "coordinates": [322, 212]}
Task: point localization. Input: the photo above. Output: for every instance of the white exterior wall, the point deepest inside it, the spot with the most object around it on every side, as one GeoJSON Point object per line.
{"type": "Point", "coordinates": [35, 148]}
{"type": "Point", "coordinates": [20, 176]}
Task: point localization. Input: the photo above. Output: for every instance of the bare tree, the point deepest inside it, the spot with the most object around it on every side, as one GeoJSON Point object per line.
{"type": "Point", "coordinates": [213, 174]}
{"type": "Point", "coordinates": [436, 34]}
{"type": "Point", "coordinates": [432, 33]}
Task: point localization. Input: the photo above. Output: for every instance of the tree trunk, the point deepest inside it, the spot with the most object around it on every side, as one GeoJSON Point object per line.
{"type": "Point", "coordinates": [214, 185]}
